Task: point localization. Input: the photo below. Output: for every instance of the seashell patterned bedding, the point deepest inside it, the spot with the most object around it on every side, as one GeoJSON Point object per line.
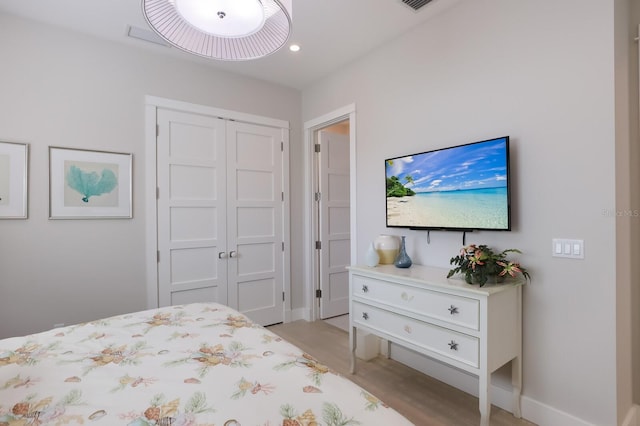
{"type": "Point", "coordinates": [197, 364]}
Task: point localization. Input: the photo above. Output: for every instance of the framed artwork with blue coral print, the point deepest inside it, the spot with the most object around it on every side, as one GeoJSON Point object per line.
{"type": "Point", "coordinates": [88, 184]}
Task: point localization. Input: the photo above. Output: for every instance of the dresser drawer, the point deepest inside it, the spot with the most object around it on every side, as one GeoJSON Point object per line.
{"type": "Point", "coordinates": [457, 346]}
{"type": "Point", "coordinates": [461, 311]}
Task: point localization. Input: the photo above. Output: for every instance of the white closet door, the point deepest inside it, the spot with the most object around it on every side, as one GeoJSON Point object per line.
{"type": "Point", "coordinates": [191, 155]}
{"type": "Point", "coordinates": [335, 234]}
{"type": "Point", "coordinates": [255, 191]}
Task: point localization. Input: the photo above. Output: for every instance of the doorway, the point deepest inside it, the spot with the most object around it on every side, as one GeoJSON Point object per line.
{"type": "Point", "coordinates": [330, 212]}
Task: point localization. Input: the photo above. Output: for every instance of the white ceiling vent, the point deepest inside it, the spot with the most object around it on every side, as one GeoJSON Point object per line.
{"type": "Point", "coordinates": [416, 4]}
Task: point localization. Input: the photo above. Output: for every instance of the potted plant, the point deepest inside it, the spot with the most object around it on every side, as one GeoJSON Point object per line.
{"type": "Point", "coordinates": [481, 263]}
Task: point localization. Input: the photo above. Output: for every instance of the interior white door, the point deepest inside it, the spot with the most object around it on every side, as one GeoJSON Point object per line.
{"type": "Point", "coordinates": [191, 208]}
{"type": "Point", "coordinates": [255, 195]}
{"type": "Point", "coordinates": [220, 209]}
{"type": "Point", "coordinates": [334, 227]}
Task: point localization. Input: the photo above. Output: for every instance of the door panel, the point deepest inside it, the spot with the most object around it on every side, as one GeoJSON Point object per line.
{"type": "Point", "coordinates": [255, 190]}
{"type": "Point", "coordinates": [334, 223]}
{"type": "Point", "coordinates": [255, 185]}
{"type": "Point", "coordinates": [192, 264]}
{"type": "Point", "coordinates": [193, 223]}
{"type": "Point", "coordinates": [193, 182]}
{"type": "Point", "coordinates": [255, 295]}
{"type": "Point", "coordinates": [256, 221]}
{"type": "Point", "coordinates": [257, 258]}
{"type": "Point", "coordinates": [191, 152]}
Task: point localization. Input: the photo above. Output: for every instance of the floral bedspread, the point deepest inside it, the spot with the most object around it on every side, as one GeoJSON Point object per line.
{"type": "Point", "coordinates": [197, 364]}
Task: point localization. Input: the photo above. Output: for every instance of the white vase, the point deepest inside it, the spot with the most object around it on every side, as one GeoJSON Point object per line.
{"type": "Point", "coordinates": [371, 257]}
{"type": "Point", "coordinates": [387, 247]}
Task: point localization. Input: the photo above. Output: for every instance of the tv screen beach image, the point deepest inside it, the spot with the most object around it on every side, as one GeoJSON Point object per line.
{"type": "Point", "coordinates": [463, 187]}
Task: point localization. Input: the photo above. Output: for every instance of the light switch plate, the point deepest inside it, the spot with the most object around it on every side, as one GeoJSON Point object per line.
{"type": "Point", "coordinates": [567, 248]}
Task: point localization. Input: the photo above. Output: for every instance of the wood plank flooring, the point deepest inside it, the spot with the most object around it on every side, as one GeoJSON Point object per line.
{"type": "Point", "coordinates": [423, 400]}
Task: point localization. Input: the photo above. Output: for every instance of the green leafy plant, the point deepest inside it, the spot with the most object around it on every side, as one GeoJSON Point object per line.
{"type": "Point", "coordinates": [478, 263]}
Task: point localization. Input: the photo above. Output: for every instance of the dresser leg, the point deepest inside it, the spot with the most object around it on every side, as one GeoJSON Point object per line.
{"type": "Point", "coordinates": [516, 382]}
{"type": "Point", "coordinates": [516, 363]}
{"type": "Point", "coordinates": [484, 395]}
{"type": "Point", "coordinates": [352, 349]}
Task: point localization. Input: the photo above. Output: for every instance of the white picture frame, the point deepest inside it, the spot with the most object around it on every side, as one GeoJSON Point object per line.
{"type": "Point", "coordinates": [89, 184]}
{"type": "Point", "coordinates": [14, 176]}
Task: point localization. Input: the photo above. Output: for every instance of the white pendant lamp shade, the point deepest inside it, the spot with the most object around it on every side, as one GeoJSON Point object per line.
{"type": "Point", "coordinates": [232, 30]}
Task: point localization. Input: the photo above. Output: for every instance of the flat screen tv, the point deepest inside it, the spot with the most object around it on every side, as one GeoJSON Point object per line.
{"type": "Point", "coordinates": [462, 188]}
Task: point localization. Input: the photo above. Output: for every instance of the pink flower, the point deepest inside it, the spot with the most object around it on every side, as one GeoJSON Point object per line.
{"type": "Point", "coordinates": [476, 259]}
{"type": "Point", "coordinates": [510, 268]}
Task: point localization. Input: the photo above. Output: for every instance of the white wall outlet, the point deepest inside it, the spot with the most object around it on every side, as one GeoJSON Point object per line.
{"type": "Point", "coordinates": [564, 247]}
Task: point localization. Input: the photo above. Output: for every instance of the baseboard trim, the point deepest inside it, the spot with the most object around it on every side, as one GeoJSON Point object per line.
{"type": "Point", "coordinates": [543, 414]}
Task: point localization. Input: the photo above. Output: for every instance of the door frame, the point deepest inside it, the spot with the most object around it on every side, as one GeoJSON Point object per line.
{"type": "Point", "coordinates": [311, 310]}
{"type": "Point", "coordinates": [152, 103]}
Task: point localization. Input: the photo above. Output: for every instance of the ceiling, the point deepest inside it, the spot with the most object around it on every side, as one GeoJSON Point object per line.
{"type": "Point", "coordinates": [331, 33]}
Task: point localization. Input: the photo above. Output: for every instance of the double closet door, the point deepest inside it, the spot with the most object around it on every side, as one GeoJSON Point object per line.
{"type": "Point", "coordinates": [220, 211]}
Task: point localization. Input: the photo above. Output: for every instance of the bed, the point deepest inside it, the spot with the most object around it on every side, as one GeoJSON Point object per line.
{"type": "Point", "coordinates": [197, 364]}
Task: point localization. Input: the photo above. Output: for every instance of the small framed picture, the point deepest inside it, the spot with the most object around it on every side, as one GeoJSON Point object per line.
{"type": "Point", "coordinates": [14, 168]}
{"type": "Point", "coordinates": [87, 184]}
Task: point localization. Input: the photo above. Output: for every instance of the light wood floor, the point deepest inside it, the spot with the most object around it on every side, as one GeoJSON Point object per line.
{"type": "Point", "coordinates": [420, 398]}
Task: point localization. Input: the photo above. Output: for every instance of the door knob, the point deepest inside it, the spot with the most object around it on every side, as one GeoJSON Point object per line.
{"type": "Point", "coordinates": [222, 255]}
{"type": "Point", "coordinates": [233, 254]}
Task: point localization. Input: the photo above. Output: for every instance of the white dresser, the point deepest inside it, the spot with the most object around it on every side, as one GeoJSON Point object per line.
{"type": "Point", "coordinates": [476, 329]}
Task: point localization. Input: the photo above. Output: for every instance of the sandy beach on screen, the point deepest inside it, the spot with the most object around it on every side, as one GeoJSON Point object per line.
{"type": "Point", "coordinates": [403, 211]}
{"type": "Point", "coordinates": [477, 209]}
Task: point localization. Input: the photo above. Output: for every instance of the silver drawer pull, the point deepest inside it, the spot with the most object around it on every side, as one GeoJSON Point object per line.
{"type": "Point", "coordinates": [453, 310]}
{"type": "Point", "coordinates": [365, 288]}
{"type": "Point", "coordinates": [453, 345]}
{"type": "Point", "coordinates": [365, 315]}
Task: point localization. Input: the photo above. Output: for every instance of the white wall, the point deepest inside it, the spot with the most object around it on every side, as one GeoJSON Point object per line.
{"type": "Point", "coordinates": [539, 71]}
{"type": "Point", "coordinates": [543, 73]}
{"type": "Point", "coordinates": [64, 89]}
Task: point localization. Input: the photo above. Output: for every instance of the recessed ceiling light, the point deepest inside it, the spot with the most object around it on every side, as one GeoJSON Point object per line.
{"type": "Point", "coordinates": [294, 48]}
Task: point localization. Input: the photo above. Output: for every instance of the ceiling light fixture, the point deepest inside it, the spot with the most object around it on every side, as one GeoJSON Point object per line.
{"type": "Point", "coordinates": [230, 30]}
